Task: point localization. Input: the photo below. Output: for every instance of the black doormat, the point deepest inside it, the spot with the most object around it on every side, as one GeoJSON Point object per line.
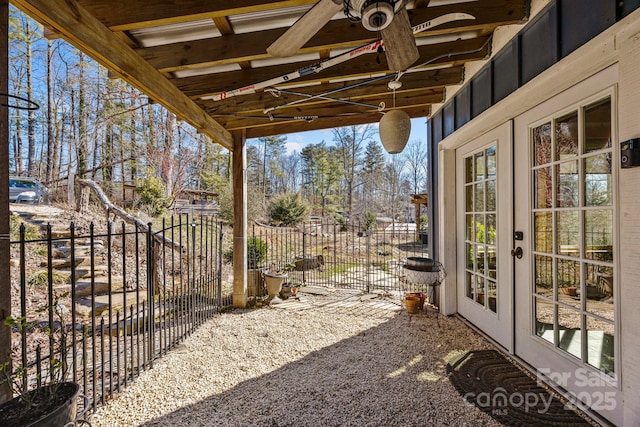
{"type": "Point", "coordinates": [493, 384]}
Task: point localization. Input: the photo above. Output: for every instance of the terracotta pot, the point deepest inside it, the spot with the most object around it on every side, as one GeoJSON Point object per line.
{"type": "Point", "coordinates": [413, 304]}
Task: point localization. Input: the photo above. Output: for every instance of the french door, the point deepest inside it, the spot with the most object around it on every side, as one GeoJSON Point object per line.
{"type": "Point", "coordinates": [483, 180]}
{"type": "Point", "coordinates": [566, 281]}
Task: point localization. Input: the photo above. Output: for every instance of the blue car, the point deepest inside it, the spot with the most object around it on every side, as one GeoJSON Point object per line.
{"type": "Point", "coordinates": [27, 190]}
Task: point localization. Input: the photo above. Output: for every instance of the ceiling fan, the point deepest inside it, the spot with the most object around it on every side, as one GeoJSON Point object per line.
{"type": "Point", "coordinates": [390, 17]}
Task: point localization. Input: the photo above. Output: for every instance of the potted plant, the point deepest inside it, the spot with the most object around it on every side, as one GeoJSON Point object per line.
{"type": "Point", "coordinates": [53, 404]}
{"type": "Point", "coordinates": [274, 278]}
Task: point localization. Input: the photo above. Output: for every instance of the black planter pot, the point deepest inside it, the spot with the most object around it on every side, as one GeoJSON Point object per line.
{"type": "Point", "coordinates": [424, 237]}
{"type": "Point", "coordinates": [59, 399]}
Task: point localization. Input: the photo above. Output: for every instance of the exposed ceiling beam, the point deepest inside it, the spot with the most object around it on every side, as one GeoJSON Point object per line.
{"type": "Point", "coordinates": [409, 100]}
{"type": "Point", "coordinates": [447, 53]}
{"type": "Point", "coordinates": [146, 13]}
{"type": "Point", "coordinates": [279, 128]}
{"type": "Point", "coordinates": [85, 32]}
{"type": "Point", "coordinates": [338, 33]}
{"type": "Point", "coordinates": [259, 101]}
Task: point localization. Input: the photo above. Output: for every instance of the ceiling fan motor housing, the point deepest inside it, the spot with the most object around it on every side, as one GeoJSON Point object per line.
{"type": "Point", "coordinates": [375, 14]}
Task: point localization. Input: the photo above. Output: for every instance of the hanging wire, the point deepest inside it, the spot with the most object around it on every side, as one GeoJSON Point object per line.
{"type": "Point", "coordinates": [34, 105]}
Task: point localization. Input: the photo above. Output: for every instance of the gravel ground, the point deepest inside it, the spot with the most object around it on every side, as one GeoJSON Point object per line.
{"type": "Point", "coordinates": [315, 362]}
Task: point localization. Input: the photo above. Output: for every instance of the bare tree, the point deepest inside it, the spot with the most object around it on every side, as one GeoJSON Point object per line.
{"type": "Point", "coordinates": [350, 142]}
{"type": "Point", "coordinates": [415, 156]}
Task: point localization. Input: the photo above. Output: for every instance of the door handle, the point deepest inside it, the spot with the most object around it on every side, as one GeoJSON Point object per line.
{"type": "Point", "coordinates": [517, 252]}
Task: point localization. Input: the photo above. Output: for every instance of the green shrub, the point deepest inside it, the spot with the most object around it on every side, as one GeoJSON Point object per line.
{"type": "Point", "coordinates": [369, 219]}
{"type": "Point", "coordinates": [256, 252]}
{"type": "Point", "coordinates": [288, 209]}
{"type": "Point", "coordinates": [151, 191]}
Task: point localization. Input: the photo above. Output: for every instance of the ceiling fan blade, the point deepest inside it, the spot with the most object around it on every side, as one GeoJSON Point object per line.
{"type": "Point", "coordinates": [305, 28]}
{"type": "Point", "coordinates": [399, 43]}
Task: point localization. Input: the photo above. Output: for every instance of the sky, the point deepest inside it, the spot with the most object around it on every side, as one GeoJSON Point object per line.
{"type": "Point", "coordinates": [296, 141]}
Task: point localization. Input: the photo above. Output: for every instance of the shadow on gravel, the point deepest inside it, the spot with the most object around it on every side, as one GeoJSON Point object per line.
{"type": "Point", "coordinates": [394, 374]}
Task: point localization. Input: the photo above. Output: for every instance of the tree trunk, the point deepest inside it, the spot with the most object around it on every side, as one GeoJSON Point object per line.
{"type": "Point", "coordinates": [50, 135]}
{"type": "Point", "coordinates": [31, 115]}
{"type": "Point", "coordinates": [83, 199]}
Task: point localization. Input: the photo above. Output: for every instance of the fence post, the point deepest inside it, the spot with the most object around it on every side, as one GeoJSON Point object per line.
{"type": "Point", "coordinates": [150, 295]}
{"type": "Point", "coordinates": [219, 278]}
{"type": "Point", "coordinates": [368, 237]}
{"type": "Point", "coordinates": [304, 252]}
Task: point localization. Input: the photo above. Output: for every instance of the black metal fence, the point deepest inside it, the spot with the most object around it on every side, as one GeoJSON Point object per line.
{"type": "Point", "coordinates": [99, 308]}
{"type": "Point", "coordinates": [339, 254]}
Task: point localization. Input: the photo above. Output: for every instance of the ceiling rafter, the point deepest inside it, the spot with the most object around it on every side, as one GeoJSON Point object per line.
{"type": "Point", "coordinates": [338, 33]}
{"type": "Point", "coordinates": [145, 13]}
{"type": "Point", "coordinates": [447, 53]}
{"type": "Point", "coordinates": [259, 101]}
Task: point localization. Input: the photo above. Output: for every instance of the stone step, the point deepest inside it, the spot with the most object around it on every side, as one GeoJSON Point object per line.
{"type": "Point", "coordinates": [101, 285]}
{"type": "Point", "coordinates": [85, 272]}
{"type": "Point", "coordinates": [83, 305]}
{"type": "Point", "coordinates": [66, 262]}
{"type": "Point", "coordinates": [138, 321]}
{"type": "Point", "coordinates": [80, 250]}
{"type": "Point", "coordinates": [83, 241]}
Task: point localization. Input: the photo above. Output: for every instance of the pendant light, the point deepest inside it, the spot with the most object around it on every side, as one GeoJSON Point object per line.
{"type": "Point", "coordinates": [395, 126]}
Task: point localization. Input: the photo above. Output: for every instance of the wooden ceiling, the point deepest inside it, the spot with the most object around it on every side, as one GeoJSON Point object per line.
{"type": "Point", "coordinates": [182, 53]}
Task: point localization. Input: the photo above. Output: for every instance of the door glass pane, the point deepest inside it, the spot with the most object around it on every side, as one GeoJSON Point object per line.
{"type": "Point", "coordinates": [544, 319]}
{"type": "Point", "coordinates": [568, 233]}
{"type": "Point", "coordinates": [470, 227]}
{"type": "Point", "coordinates": [543, 188]}
{"type": "Point", "coordinates": [543, 232]}
{"type": "Point", "coordinates": [599, 291]}
{"type": "Point", "coordinates": [597, 126]}
{"type": "Point", "coordinates": [567, 184]}
{"type": "Point", "coordinates": [569, 282]}
{"type": "Point", "coordinates": [480, 261]}
{"type": "Point", "coordinates": [600, 344]}
{"type": "Point", "coordinates": [544, 275]}
{"type": "Point", "coordinates": [469, 285]}
{"type": "Point", "coordinates": [567, 137]}
{"type": "Point", "coordinates": [468, 196]}
{"type": "Point", "coordinates": [490, 233]}
{"type": "Point", "coordinates": [491, 195]}
{"type": "Point", "coordinates": [492, 295]}
{"type": "Point", "coordinates": [542, 144]}
{"type": "Point", "coordinates": [598, 234]}
{"type": "Point", "coordinates": [471, 256]}
{"type": "Point", "coordinates": [569, 331]}
{"type": "Point", "coordinates": [468, 170]}
{"type": "Point", "coordinates": [479, 197]}
{"type": "Point", "coordinates": [491, 162]}
{"type": "Point", "coordinates": [480, 168]}
{"type": "Point", "coordinates": [480, 290]}
{"type": "Point", "coordinates": [597, 180]}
